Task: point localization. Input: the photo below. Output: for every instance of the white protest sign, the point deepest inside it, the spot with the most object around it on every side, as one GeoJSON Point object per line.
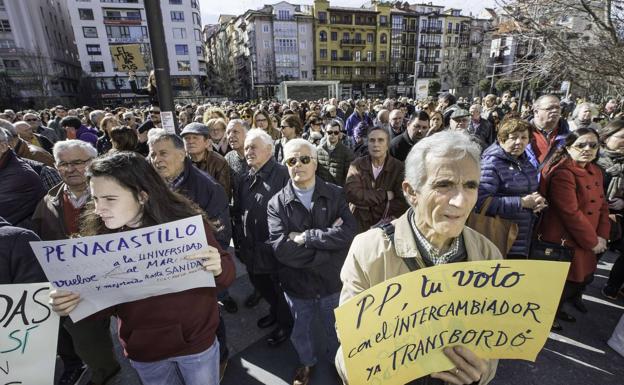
{"type": "Point", "coordinates": [121, 267]}
{"type": "Point", "coordinates": [28, 336]}
{"type": "Point", "coordinates": [168, 124]}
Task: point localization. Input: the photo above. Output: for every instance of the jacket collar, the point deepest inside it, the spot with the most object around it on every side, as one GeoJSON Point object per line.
{"type": "Point", "coordinates": [265, 170]}
{"type": "Point", "coordinates": [405, 241]}
{"type": "Point", "coordinates": [320, 190]}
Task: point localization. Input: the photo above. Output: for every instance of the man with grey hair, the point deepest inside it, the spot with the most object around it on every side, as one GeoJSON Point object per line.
{"type": "Point", "coordinates": [34, 121]}
{"type": "Point", "coordinates": [551, 130]}
{"type": "Point", "coordinates": [57, 217]}
{"type": "Point", "coordinates": [583, 117]}
{"type": "Point", "coordinates": [20, 186]}
{"type": "Point", "coordinates": [263, 180]}
{"type": "Point", "coordinates": [96, 117]}
{"type": "Point", "coordinates": [440, 185]}
{"type": "Point", "coordinates": [25, 131]}
{"type": "Point", "coordinates": [311, 228]}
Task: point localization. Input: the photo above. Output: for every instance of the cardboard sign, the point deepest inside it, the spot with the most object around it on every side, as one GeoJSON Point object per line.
{"type": "Point", "coordinates": [395, 331]}
{"type": "Point", "coordinates": [128, 57]}
{"type": "Point", "coordinates": [121, 267]}
{"type": "Point", "coordinates": [28, 336]}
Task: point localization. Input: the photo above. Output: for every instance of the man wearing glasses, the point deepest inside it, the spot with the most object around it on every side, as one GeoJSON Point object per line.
{"type": "Point", "coordinates": [35, 123]}
{"type": "Point", "coordinates": [57, 217]}
{"type": "Point", "coordinates": [551, 130]}
{"type": "Point", "coordinates": [334, 157]}
{"type": "Point", "coordinates": [310, 230]}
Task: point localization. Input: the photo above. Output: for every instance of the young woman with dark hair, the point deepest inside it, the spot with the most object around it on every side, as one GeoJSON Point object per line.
{"type": "Point", "coordinates": [168, 338]}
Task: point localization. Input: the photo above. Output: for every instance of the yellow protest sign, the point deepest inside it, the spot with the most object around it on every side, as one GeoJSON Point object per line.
{"type": "Point", "coordinates": [128, 57]}
{"type": "Point", "coordinates": [397, 330]}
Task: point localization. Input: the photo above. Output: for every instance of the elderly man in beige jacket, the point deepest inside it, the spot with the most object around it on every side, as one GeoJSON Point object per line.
{"type": "Point", "coordinates": [441, 181]}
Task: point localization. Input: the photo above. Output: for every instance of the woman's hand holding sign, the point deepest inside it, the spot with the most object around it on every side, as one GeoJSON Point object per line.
{"type": "Point", "coordinates": [469, 367]}
{"type": "Point", "coordinates": [63, 301]}
{"type": "Point", "coordinates": [210, 260]}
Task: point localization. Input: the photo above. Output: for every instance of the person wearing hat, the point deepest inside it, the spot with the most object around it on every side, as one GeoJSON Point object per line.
{"type": "Point", "coordinates": [198, 146]}
{"type": "Point", "coordinates": [460, 121]}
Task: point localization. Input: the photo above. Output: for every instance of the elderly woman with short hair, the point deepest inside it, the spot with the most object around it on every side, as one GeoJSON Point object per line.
{"type": "Point", "coordinates": [583, 116]}
{"type": "Point", "coordinates": [510, 180]}
{"type": "Point", "coordinates": [440, 185]}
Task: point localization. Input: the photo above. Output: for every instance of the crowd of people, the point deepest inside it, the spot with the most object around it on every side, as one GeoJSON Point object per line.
{"type": "Point", "coordinates": [320, 200]}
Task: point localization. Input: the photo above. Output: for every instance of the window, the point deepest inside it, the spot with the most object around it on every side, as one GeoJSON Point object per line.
{"type": "Point", "coordinates": [283, 14]}
{"type": "Point", "coordinates": [196, 19]}
{"type": "Point", "coordinates": [335, 70]}
{"type": "Point", "coordinates": [304, 74]}
{"type": "Point", "coordinates": [265, 28]}
{"type": "Point", "coordinates": [197, 34]}
{"type": "Point", "coordinates": [358, 37]}
{"type": "Point", "coordinates": [382, 55]}
{"type": "Point", "coordinates": [126, 32]}
{"type": "Point", "coordinates": [177, 16]}
{"type": "Point", "coordinates": [369, 56]}
{"type": "Point", "coordinates": [323, 36]}
{"type": "Point", "coordinates": [383, 20]}
{"type": "Point", "coordinates": [302, 28]}
{"type": "Point", "coordinates": [11, 64]}
{"type": "Point", "coordinates": [356, 71]}
{"type": "Point", "coordinates": [302, 45]}
{"type": "Point", "coordinates": [184, 65]}
{"type": "Point", "coordinates": [93, 49]}
{"type": "Point", "coordinates": [85, 13]}
{"type": "Point", "coordinates": [450, 28]}
{"type": "Point", "coordinates": [7, 43]}
{"type": "Point", "coordinates": [370, 38]}
{"type": "Point", "coordinates": [199, 50]}
{"type": "Point", "coordinates": [323, 53]}
{"type": "Point", "coordinates": [383, 38]}
{"type": "Point", "coordinates": [181, 49]}
{"type": "Point", "coordinates": [179, 33]}
{"type": "Point", "coordinates": [96, 66]}
{"type": "Point", "coordinates": [175, 2]}
{"type": "Point", "coordinates": [267, 44]}
{"type": "Point", "coordinates": [334, 36]}
{"type": "Point", "coordinates": [5, 26]}
{"type": "Point", "coordinates": [323, 70]}
{"type": "Point", "coordinates": [345, 36]}
{"type": "Point", "coordinates": [2, 8]}
{"type": "Point", "coordinates": [358, 55]}
{"type": "Point", "coordinates": [89, 32]}
{"type": "Point", "coordinates": [334, 55]}
{"type": "Point", "coordinates": [322, 17]}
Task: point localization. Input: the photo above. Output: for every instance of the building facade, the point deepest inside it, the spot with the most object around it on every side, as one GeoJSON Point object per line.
{"type": "Point", "coordinates": [38, 58]}
{"type": "Point", "coordinates": [99, 26]}
{"type": "Point", "coordinates": [352, 45]}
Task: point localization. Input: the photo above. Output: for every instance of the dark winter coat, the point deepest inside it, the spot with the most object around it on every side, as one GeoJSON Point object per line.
{"type": "Point", "coordinates": [401, 146]}
{"type": "Point", "coordinates": [368, 196]}
{"type": "Point", "coordinates": [18, 263]}
{"type": "Point", "coordinates": [255, 191]}
{"type": "Point", "coordinates": [21, 189]}
{"type": "Point", "coordinates": [507, 179]}
{"type": "Point", "coordinates": [204, 190]}
{"type": "Point", "coordinates": [333, 165]}
{"type": "Point", "coordinates": [577, 213]}
{"type": "Point", "coordinates": [311, 270]}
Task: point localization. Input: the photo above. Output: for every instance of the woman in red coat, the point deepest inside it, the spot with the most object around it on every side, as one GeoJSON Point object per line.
{"type": "Point", "coordinates": [578, 213]}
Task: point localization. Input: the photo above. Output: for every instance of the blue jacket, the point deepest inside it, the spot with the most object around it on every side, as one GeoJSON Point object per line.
{"type": "Point", "coordinates": [507, 179]}
{"type": "Point", "coordinates": [311, 270]}
{"type": "Point", "coordinates": [353, 121]}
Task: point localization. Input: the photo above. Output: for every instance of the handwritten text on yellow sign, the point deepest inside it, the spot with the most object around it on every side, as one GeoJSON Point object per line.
{"type": "Point", "coordinates": [395, 331]}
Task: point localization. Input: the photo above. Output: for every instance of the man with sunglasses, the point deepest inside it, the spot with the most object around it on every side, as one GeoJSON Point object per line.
{"type": "Point", "coordinates": [35, 123]}
{"type": "Point", "coordinates": [334, 157]}
{"type": "Point", "coordinates": [310, 230]}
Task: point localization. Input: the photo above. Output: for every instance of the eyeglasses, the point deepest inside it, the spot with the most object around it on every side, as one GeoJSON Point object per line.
{"type": "Point", "coordinates": [291, 162]}
{"type": "Point", "coordinates": [333, 132]}
{"type": "Point", "coordinates": [73, 163]}
{"type": "Point", "coordinates": [31, 120]}
{"type": "Point", "coordinates": [316, 123]}
{"type": "Point", "coordinates": [282, 127]}
{"type": "Point", "coordinates": [590, 145]}
{"type": "Point", "coordinates": [246, 117]}
{"type": "Point", "coordinates": [155, 112]}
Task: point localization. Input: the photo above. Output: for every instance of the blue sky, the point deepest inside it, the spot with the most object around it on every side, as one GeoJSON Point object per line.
{"type": "Point", "coordinates": [211, 9]}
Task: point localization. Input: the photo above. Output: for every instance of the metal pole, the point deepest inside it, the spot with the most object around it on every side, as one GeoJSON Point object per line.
{"type": "Point", "coordinates": [415, 76]}
{"type": "Point", "coordinates": [492, 81]}
{"type": "Point", "coordinates": [158, 44]}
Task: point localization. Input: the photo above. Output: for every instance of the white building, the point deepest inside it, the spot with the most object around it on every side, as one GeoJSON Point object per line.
{"type": "Point", "coordinates": [101, 24]}
{"type": "Point", "coordinates": [38, 59]}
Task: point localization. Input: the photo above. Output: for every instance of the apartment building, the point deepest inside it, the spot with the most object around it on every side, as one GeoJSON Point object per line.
{"type": "Point", "coordinates": [101, 25]}
{"type": "Point", "coordinates": [38, 58]}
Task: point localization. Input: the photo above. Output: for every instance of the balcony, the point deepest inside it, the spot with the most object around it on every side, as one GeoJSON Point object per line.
{"type": "Point", "coordinates": [123, 20]}
{"type": "Point", "coordinates": [431, 30]}
{"type": "Point", "coordinates": [431, 44]}
{"type": "Point", "coordinates": [352, 43]}
{"type": "Point", "coordinates": [346, 58]}
{"type": "Point", "coordinates": [431, 60]}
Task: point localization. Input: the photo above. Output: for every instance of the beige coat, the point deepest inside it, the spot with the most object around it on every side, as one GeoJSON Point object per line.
{"type": "Point", "coordinates": [372, 260]}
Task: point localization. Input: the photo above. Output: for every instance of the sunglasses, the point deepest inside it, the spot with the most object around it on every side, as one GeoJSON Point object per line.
{"type": "Point", "coordinates": [246, 117]}
{"type": "Point", "coordinates": [291, 162]}
{"type": "Point", "coordinates": [31, 120]}
{"type": "Point", "coordinates": [333, 132]}
{"type": "Point", "coordinates": [155, 112]}
{"type": "Point", "coordinates": [591, 145]}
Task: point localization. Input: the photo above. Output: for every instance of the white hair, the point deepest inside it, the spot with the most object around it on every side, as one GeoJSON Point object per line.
{"type": "Point", "coordinates": [96, 115]}
{"type": "Point", "coordinates": [591, 106]}
{"type": "Point", "coordinates": [237, 122]}
{"type": "Point", "coordinates": [454, 145]}
{"type": "Point", "coordinates": [9, 127]}
{"type": "Point", "coordinates": [65, 145]}
{"type": "Point", "coordinates": [258, 133]}
{"type": "Point", "coordinates": [4, 137]}
{"type": "Point", "coordinates": [297, 143]}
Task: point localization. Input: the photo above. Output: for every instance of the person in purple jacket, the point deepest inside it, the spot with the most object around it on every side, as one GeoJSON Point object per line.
{"type": "Point", "coordinates": [76, 130]}
{"type": "Point", "coordinates": [509, 177]}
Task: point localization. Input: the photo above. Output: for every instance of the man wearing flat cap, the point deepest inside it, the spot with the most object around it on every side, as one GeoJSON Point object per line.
{"type": "Point", "coordinates": [198, 146]}
{"type": "Point", "coordinates": [460, 121]}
